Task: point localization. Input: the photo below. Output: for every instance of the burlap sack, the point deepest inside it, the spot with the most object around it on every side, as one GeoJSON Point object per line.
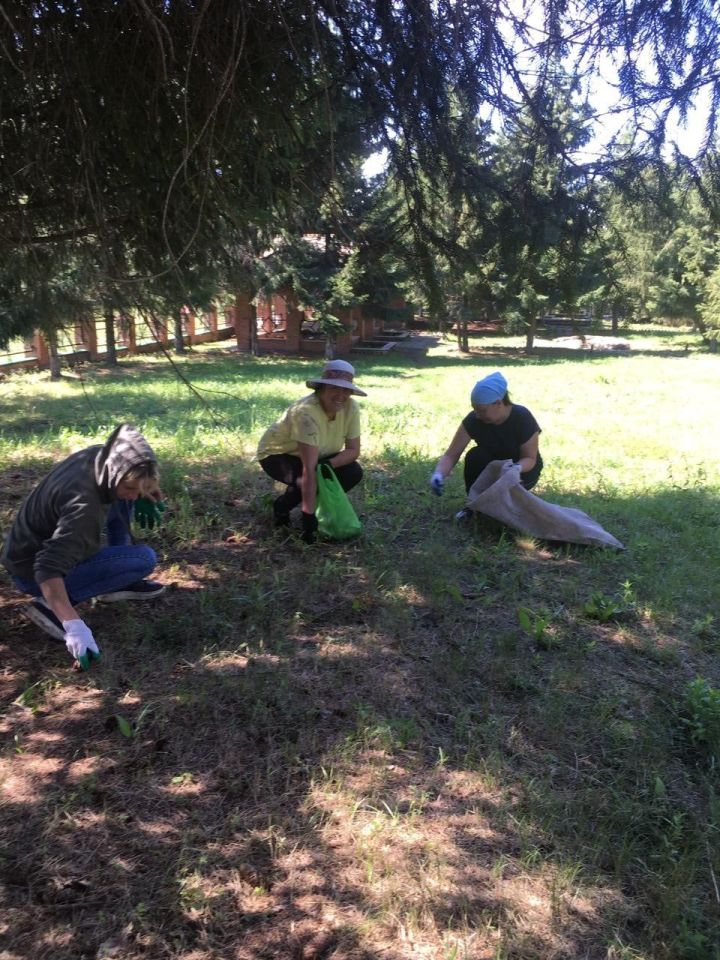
{"type": "Point", "coordinates": [498, 493]}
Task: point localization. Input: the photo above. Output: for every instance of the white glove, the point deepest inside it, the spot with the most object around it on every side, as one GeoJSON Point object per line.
{"type": "Point", "coordinates": [80, 642]}
{"type": "Point", "coordinates": [437, 482]}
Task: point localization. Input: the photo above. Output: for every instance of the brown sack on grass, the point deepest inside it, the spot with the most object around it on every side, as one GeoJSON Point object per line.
{"type": "Point", "coordinates": [498, 493]}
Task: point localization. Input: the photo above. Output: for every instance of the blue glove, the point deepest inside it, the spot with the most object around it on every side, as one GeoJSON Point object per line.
{"type": "Point", "coordinates": [437, 482]}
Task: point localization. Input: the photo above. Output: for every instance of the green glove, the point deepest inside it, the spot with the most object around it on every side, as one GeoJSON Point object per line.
{"type": "Point", "coordinates": [86, 659]}
{"type": "Point", "coordinates": [149, 512]}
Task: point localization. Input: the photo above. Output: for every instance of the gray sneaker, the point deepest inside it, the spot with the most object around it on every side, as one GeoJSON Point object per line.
{"type": "Point", "coordinates": [462, 515]}
{"type": "Point", "coordinates": [42, 616]}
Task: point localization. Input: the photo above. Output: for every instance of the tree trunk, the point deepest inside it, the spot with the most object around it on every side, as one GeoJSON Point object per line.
{"type": "Point", "coordinates": [111, 346]}
{"type": "Point", "coordinates": [178, 334]}
{"type": "Point", "coordinates": [55, 373]}
{"type": "Point", "coordinates": [329, 346]}
{"type": "Point", "coordinates": [462, 327]}
{"type": "Point", "coordinates": [530, 334]}
{"type": "Point", "coordinates": [614, 327]}
{"type": "Point", "coordinates": [700, 325]}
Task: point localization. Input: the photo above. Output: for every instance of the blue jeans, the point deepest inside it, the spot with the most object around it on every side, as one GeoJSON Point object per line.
{"type": "Point", "coordinates": [112, 568]}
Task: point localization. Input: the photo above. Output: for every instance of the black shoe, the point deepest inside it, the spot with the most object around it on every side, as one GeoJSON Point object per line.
{"type": "Point", "coordinates": [42, 616]}
{"type": "Point", "coordinates": [281, 515]}
{"type": "Point", "coordinates": [141, 590]}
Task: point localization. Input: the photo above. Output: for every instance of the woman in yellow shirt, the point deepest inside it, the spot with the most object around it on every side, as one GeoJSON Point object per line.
{"type": "Point", "coordinates": [324, 426]}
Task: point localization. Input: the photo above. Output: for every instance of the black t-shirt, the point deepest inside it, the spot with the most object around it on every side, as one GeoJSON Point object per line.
{"type": "Point", "coordinates": [502, 441]}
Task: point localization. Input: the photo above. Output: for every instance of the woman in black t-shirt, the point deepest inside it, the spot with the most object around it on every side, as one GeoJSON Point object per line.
{"type": "Point", "coordinates": [501, 430]}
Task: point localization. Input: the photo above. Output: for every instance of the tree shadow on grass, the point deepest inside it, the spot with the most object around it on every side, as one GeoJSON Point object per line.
{"type": "Point", "coordinates": [211, 816]}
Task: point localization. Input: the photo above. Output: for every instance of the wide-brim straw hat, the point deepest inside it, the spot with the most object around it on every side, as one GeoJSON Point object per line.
{"type": "Point", "coordinates": [337, 373]}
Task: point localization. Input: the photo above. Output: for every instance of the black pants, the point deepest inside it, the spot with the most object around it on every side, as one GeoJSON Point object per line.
{"type": "Point", "coordinates": [476, 460]}
{"type": "Point", "coordinates": [286, 468]}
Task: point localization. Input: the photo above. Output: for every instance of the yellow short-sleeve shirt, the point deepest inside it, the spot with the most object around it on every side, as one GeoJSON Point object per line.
{"type": "Point", "coordinates": [306, 422]}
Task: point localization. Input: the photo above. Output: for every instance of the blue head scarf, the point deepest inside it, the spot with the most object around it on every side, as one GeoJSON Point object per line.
{"type": "Point", "coordinates": [489, 389]}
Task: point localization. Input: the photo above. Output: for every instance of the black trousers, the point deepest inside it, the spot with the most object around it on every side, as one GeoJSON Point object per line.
{"type": "Point", "coordinates": [476, 460]}
{"type": "Point", "coordinates": [287, 468]}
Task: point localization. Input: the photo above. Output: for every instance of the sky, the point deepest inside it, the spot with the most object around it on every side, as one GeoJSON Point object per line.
{"type": "Point", "coordinates": [687, 136]}
{"type": "Point", "coordinates": [603, 96]}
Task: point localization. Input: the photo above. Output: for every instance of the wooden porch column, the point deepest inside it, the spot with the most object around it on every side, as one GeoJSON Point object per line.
{"type": "Point", "coordinates": [88, 336]}
{"type": "Point", "coordinates": [293, 322]}
{"type": "Point", "coordinates": [160, 330]}
{"type": "Point", "coordinates": [343, 340]}
{"type": "Point", "coordinates": [245, 318]}
{"type": "Point", "coordinates": [42, 354]}
{"type": "Point", "coordinates": [190, 327]}
{"type": "Point", "coordinates": [132, 337]}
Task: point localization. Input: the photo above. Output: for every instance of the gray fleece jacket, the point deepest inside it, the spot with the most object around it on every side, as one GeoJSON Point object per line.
{"type": "Point", "coordinates": [61, 522]}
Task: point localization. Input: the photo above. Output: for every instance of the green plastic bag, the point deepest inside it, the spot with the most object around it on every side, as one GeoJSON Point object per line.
{"type": "Point", "coordinates": [336, 517]}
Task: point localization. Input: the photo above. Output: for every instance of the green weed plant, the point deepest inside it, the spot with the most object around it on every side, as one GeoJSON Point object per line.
{"type": "Point", "coordinates": [701, 717]}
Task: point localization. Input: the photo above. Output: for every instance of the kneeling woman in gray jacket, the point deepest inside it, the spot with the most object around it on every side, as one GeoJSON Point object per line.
{"type": "Point", "coordinates": [53, 551]}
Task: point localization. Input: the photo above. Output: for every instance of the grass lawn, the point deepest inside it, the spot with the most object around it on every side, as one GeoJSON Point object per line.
{"type": "Point", "coordinates": [432, 742]}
